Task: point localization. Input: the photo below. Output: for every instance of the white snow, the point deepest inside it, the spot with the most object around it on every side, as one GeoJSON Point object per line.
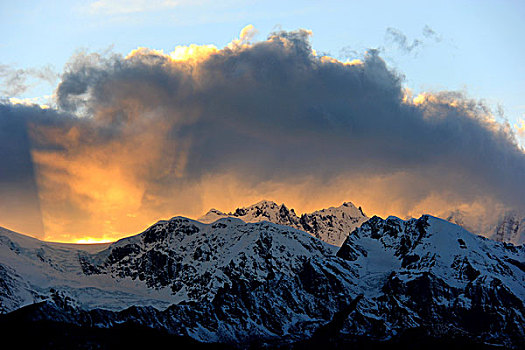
{"type": "Point", "coordinates": [332, 225]}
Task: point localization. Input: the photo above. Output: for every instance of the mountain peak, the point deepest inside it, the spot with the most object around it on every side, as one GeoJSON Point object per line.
{"type": "Point", "coordinates": [265, 203]}
{"type": "Point", "coordinates": [331, 225]}
{"type": "Point", "coordinates": [348, 204]}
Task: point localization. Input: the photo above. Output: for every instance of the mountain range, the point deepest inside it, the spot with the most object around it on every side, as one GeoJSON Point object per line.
{"type": "Point", "coordinates": [333, 225]}
{"type": "Point", "coordinates": [330, 225]}
{"type": "Point", "coordinates": [263, 276]}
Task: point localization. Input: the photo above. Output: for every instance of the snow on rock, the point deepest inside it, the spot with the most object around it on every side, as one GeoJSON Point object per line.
{"type": "Point", "coordinates": [172, 261]}
{"type": "Point", "coordinates": [331, 225]}
{"type": "Point", "coordinates": [334, 224]}
{"type": "Point", "coordinates": [435, 246]}
{"type": "Point", "coordinates": [432, 272]}
{"type": "Point", "coordinates": [193, 260]}
{"type": "Point", "coordinates": [237, 282]}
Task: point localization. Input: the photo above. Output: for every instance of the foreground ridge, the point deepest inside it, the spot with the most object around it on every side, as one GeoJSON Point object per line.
{"type": "Point", "coordinates": [259, 283]}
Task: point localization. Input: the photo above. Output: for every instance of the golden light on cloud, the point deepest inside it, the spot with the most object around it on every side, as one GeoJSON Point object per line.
{"type": "Point", "coordinates": [30, 101]}
{"type": "Point", "coordinates": [354, 62]}
{"type": "Point", "coordinates": [155, 134]}
{"type": "Point", "coordinates": [422, 98]}
{"type": "Point", "coordinates": [453, 100]}
{"type": "Point", "coordinates": [247, 33]}
{"type": "Point", "coordinates": [520, 128]}
{"type": "Point", "coordinates": [193, 52]}
{"type": "Point", "coordinates": [328, 59]}
{"type": "Point", "coordinates": [99, 189]}
{"type": "Point", "coordinates": [91, 240]}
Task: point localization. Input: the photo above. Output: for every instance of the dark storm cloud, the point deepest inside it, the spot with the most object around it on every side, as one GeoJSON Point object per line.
{"type": "Point", "coordinates": [274, 109]}
{"type": "Point", "coordinates": [273, 112]}
{"type": "Point", "coordinates": [19, 203]}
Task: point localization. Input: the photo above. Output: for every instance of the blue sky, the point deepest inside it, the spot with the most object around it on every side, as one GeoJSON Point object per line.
{"type": "Point", "coordinates": [477, 48]}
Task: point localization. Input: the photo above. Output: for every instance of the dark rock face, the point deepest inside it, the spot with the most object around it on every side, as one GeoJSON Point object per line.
{"type": "Point", "coordinates": [52, 328]}
{"type": "Point", "coordinates": [7, 289]}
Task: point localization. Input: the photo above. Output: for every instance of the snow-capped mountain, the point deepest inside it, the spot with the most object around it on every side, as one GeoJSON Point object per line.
{"type": "Point", "coordinates": [331, 225]}
{"type": "Point", "coordinates": [441, 275]}
{"type": "Point", "coordinates": [30, 269]}
{"type": "Point", "coordinates": [194, 260]}
{"type": "Point", "coordinates": [263, 283]}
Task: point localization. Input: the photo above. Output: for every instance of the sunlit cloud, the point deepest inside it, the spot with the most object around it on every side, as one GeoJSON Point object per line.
{"type": "Point", "coordinates": [248, 33]}
{"type": "Point", "coordinates": [156, 134]}
{"type": "Point", "coordinates": [92, 240]}
{"type": "Point", "coordinates": [520, 128]}
{"type": "Point", "coordinates": [41, 101]}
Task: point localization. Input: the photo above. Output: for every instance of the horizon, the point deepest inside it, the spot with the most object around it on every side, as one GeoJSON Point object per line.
{"type": "Point", "coordinates": [91, 241]}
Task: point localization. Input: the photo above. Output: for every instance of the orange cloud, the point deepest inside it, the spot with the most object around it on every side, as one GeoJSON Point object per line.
{"type": "Point", "coordinates": [154, 135]}
{"type": "Point", "coordinates": [520, 128]}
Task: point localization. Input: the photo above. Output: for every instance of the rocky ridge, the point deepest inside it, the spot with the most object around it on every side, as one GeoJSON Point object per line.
{"type": "Point", "coordinates": [240, 283]}
{"type": "Point", "coordinates": [331, 225]}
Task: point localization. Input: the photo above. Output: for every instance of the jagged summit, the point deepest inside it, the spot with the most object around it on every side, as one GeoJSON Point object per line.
{"type": "Point", "coordinates": [260, 211]}
{"type": "Point", "coordinates": [266, 203]}
{"type": "Point", "coordinates": [331, 225]}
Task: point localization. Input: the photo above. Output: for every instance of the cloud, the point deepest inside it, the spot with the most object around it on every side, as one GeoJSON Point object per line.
{"type": "Point", "coordinates": [397, 37]}
{"type": "Point", "coordinates": [19, 200]}
{"type": "Point", "coordinates": [248, 33]}
{"type": "Point", "coordinates": [17, 81]}
{"type": "Point", "coordinates": [520, 128]}
{"type": "Point", "coordinates": [157, 134]}
{"type": "Point", "coordinates": [30, 101]}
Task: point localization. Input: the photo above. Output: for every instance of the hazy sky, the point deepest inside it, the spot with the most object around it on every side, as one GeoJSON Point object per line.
{"type": "Point", "coordinates": [134, 136]}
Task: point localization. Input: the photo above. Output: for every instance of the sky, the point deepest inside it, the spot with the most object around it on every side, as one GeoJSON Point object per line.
{"type": "Point", "coordinates": [401, 107]}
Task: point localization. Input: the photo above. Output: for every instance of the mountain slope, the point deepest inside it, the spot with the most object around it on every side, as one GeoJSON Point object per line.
{"type": "Point", "coordinates": [194, 260]}
{"type": "Point", "coordinates": [441, 278]}
{"type": "Point", "coordinates": [172, 261]}
{"type": "Point", "coordinates": [262, 283]}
